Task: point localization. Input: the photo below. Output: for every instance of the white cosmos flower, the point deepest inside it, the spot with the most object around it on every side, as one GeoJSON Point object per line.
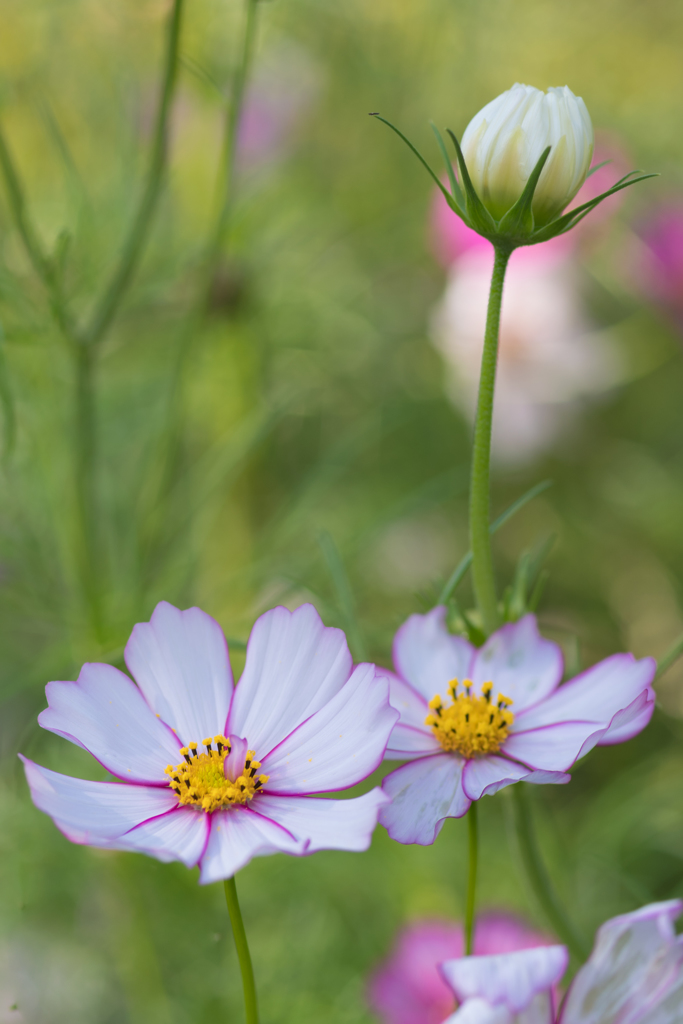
{"type": "Point", "coordinates": [503, 142]}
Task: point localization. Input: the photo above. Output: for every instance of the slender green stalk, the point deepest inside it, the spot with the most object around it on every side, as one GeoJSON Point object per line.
{"type": "Point", "coordinates": [105, 309]}
{"type": "Point", "coordinates": [473, 836]}
{"type": "Point", "coordinates": [672, 655]}
{"type": "Point", "coordinates": [85, 467]}
{"type": "Point", "coordinates": [243, 954]}
{"type": "Point", "coordinates": [539, 878]}
{"type": "Point", "coordinates": [480, 499]}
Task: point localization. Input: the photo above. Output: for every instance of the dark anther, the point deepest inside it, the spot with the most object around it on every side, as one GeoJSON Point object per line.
{"type": "Point", "coordinates": [187, 758]}
{"type": "Point", "coordinates": [187, 783]}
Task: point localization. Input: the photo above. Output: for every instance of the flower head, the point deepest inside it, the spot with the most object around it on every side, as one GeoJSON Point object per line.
{"type": "Point", "coordinates": [473, 721]}
{"type": "Point", "coordinates": [633, 976]}
{"type": "Point", "coordinates": [503, 143]}
{"type": "Point", "coordinates": [408, 987]}
{"type": "Point", "coordinates": [217, 774]}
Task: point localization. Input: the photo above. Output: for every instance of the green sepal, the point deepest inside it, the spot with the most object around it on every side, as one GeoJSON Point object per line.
{"type": "Point", "coordinates": [569, 220]}
{"type": "Point", "coordinates": [447, 196]}
{"type": "Point", "coordinates": [479, 217]}
{"type": "Point", "coordinates": [519, 220]}
{"type": "Point", "coordinates": [456, 191]}
{"type": "Point", "coordinates": [597, 167]}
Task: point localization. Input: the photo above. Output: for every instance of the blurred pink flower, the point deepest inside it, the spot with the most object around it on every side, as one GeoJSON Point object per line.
{"type": "Point", "coordinates": [408, 989]}
{"type": "Point", "coordinates": [550, 356]}
{"type": "Point", "coordinates": [658, 269]}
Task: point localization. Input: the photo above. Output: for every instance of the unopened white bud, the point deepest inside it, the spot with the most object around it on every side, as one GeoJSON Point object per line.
{"type": "Point", "coordinates": [503, 142]}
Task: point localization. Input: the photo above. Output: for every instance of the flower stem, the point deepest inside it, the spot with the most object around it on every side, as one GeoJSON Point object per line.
{"type": "Point", "coordinates": [473, 830]}
{"type": "Point", "coordinates": [538, 876]}
{"type": "Point", "coordinates": [243, 954]}
{"type": "Point", "coordinates": [480, 499]}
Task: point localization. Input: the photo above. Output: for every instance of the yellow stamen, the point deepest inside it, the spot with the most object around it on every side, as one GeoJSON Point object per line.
{"type": "Point", "coordinates": [200, 781]}
{"type": "Point", "coordinates": [472, 725]}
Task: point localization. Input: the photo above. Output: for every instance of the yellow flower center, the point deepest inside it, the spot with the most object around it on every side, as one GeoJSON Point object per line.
{"type": "Point", "coordinates": [200, 780]}
{"type": "Point", "coordinates": [472, 725]}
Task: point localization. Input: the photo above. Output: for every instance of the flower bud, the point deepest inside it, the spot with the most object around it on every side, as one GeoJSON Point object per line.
{"type": "Point", "coordinates": [503, 142]}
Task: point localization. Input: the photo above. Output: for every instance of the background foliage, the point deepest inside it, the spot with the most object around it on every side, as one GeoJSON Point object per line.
{"type": "Point", "coordinates": [297, 443]}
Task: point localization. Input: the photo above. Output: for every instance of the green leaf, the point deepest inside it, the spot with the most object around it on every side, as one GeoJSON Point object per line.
{"type": "Point", "coordinates": [419, 156]}
{"type": "Point", "coordinates": [519, 220]}
{"type": "Point", "coordinates": [460, 570]}
{"type": "Point", "coordinates": [481, 219]}
{"type": "Point", "coordinates": [455, 188]}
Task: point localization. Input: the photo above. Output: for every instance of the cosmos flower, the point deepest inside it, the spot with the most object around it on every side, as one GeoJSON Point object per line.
{"type": "Point", "coordinates": [408, 988]}
{"type": "Point", "coordinates": [633, 976]}
{"type": "Point", "coordinates": [217, 774]}
{"type": "Point", "coordinates": [503, 142]}
{"type": "Point", "coordinates": [658, 261]}
{"type": "Point", "coordinates": [473, 721]}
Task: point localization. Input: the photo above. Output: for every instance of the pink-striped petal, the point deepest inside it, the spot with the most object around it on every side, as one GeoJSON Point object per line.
{"type": "Point", "coordinates": [236, 836]}
{"type": "Point", "coordinates": [423, 794]}
{"type": "Point", "coordinates": [326, 824]}
{"type": "Point", "coordinates": [521, 664]}
{"type": "Point", "coordinates": [635, 972]}
{"type": "Point", "coordinates": [554, 747]}
{"type": "Point", "coordinates": [105, 713]}
{"type": "Point", "coordinates": [339, 745]}
{"type": "Point", "coordinates": [507, 979]}
{"type": "Point", "coordinates": [294, 666]}
{"type": "Point", "coordinates": [594, 696]}
{"type": "Point", "coordinates": [428, 657]}
{"type": "Point", "coordinates": [486, 775]}
{"type": "Point", "coordinates": [179, 660]}
{"type": "Point", "coordinates": [94, 813]}
{"type": "Point", "coordinates": [181, 834]}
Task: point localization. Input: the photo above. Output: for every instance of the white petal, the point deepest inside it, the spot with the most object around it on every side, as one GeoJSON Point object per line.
{"type": "Point", "coordinates": [326, 824]}
{"type": "Point", "coordinates": [238, 835]}
{"type": "Point", "coordinates": [182, 835]}
{"type": "Point", "coordinates": [407, 743]}
{"type": "Point", "coordinates": [423, 794]}
{"type": "Point", "coordinates": [294, 666]}
{"type": "Point", "coordinates": [521, 664]}
{"type": "Point", "coordinates": [554, 747]}
{"type": "Point", "coordinates": [179, 660]}
{"type": "Point", "coordinates": [340, 744]}
{"type": "Point", "coordinates": [510, 979]}
{"type": "Point", "coordinates": [636, 966]}
{"type": "Point", "coordinates": [94, 813]}
{"type": "Point", "coordinates": [478, 1011]}
{"type": "Point", "coordinates": [428, 656]}
{"type": "Point", "coordinates": [105, 713]}
{"type": "Point", "coordinates": [594, 696]}
{"type": "Point", "coordinates": [410, 738]}
{"type": "Point", "coordinates": [486, 775]}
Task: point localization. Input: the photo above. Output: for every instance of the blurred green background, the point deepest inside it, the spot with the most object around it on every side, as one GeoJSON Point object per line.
{"type": "Point", "coordinates": [299, 436]}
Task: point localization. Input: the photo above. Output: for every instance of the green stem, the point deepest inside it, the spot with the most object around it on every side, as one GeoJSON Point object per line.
{"type": "Point", "coordinates": [105, 309]}
{"type": "Point", "coordinates": [539, 878]}
{"type": "Point", "coordinates": [85, 447]}
{"type": "Point", "coordinates": [473, 835]}
{"type": "Point", "coordinates": [243, 954]}
{"type": "Point", "coordinates": [480, 536]}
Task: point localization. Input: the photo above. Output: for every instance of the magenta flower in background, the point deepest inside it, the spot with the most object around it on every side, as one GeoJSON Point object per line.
{"type": "Point", "coordinates": [217, 774]}
{"type": "Point", "coordinates": [633, 976]}
{"type": "Point", "coordinates": [408, 987]}
{"type": "Point", "coordinates": [658, 270]}
{"type": "Point", "coordinates": [474, 721]}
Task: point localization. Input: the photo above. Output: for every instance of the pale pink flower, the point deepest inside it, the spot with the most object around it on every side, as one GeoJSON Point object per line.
{"type": "Point", "coordinates": [633, 976]}
{"type": "Point", "coordinates": [474, 721]}
{"type": "Point", "coordinates": [408, 988]}
{"type": "Point", "coordinates": [658, 262]}
{"type": "Point", "coordinates": [217, 774]}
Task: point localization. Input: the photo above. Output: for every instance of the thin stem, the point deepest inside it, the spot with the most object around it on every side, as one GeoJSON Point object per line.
{"type": "Point", "coordinates": [473, 835]}
{"type": "Point", "coordinates": [480, 536]}
{"type": "Point", "coordinates": [85, 467]}
{"type": "Point", "coordinates": [105, 309]}
{"type": "Point", "coordinates": [538, 875]}
{"type": "Point", "coordinates": [243, 954]}
{"type": "Point", "coordinates": [672, 655]}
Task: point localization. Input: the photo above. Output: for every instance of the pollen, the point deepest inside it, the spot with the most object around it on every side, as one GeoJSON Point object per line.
{"type": "Point", "coordinates": [200, 780]}
{"type": "Point", "coordinates": [472, 725]}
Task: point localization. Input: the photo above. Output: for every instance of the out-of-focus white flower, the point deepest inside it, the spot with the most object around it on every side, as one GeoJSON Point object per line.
{"type": "Point", "coordinates": [504, 141]}
{"type": "Point", "coordinates": [549, 360]}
